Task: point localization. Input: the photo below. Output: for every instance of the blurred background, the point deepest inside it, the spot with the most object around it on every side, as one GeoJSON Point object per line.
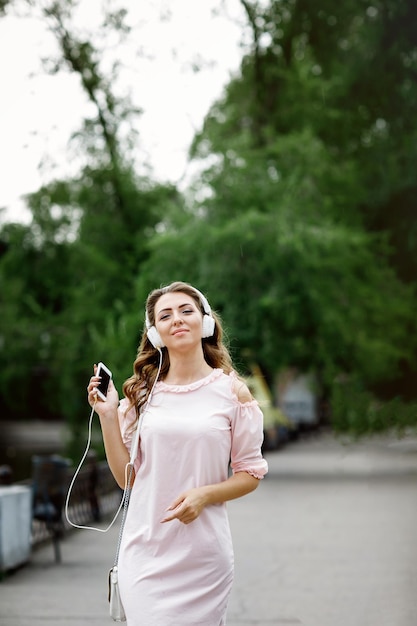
{"type": "Point", "coordinates": [263, 151]}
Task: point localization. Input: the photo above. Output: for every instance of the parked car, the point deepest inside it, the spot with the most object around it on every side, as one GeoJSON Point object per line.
{"type": "Point", "coordinates": [298, 399]}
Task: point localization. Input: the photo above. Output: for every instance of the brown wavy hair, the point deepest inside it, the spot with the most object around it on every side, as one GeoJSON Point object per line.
{"type": "Point", "coordinates": [145, 367]}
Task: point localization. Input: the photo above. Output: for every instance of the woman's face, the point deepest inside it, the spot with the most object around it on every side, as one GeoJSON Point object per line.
{"type": "Point", "coordinates": [178, 320]}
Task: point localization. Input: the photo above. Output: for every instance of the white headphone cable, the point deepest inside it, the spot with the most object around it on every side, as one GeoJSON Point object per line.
{"type": "Point", "coordinates": [133, 454]}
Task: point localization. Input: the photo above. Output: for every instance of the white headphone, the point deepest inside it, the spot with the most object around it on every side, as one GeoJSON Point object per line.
{"type": "Point", "coordinates": [209, 323]}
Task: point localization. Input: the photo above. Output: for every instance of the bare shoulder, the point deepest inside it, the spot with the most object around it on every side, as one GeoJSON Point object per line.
{"type": "Point", "coordinates": [241, 390]}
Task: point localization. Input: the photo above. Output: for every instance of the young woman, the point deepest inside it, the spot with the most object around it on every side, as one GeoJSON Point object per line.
{"type": "Point", "coordinates": [176, 557]}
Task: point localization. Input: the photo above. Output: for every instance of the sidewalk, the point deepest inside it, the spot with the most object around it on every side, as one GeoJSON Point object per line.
{"type": "Point", "coordinates": [66, 594]}
{"type": "Point", "coordinates": [328, 539]}
{"type": "Point", "coordinates": [340, 457]}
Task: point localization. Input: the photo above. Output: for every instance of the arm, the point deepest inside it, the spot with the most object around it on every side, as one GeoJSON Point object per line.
{"type": "Point", "coordinates": [188, 506]}
{"type": "Point", "coordinates": [116, 452]}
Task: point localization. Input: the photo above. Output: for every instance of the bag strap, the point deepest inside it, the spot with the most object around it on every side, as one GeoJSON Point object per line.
{"type": "Point", "coordinates": [125, 506]}
{"type": "Point", "coordinates": [129, 469]}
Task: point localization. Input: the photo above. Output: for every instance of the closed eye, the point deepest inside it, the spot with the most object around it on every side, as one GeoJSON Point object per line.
{"type": "Point", "coordinates": [165, 316]}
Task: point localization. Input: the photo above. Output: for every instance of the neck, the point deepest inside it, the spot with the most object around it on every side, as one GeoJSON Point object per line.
{"type": "Point", "coordinates": [184, 370]}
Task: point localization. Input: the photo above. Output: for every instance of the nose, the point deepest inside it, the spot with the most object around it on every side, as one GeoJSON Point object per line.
{"type": "Point", "coordinates": [177, 319]}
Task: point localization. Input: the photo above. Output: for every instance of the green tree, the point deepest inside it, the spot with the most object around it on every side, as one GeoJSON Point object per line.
{"type": "Point", "coordinates": [67, 277]}
{"type": "Point", "coordinates": [318, 127]}
{"type": "Point", "coordinates": [292, 293]}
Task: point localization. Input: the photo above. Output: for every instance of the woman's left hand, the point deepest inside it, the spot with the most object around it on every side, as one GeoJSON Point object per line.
{"type": "Point", "coordinates": [187, 507]}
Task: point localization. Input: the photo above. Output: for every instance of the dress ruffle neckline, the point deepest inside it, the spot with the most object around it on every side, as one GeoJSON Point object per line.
{"type": "Point", "coordinates": [214, 374]}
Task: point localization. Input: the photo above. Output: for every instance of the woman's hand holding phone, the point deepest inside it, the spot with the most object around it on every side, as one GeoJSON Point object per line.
{"type": "Point", "coordinates": [102, 394]}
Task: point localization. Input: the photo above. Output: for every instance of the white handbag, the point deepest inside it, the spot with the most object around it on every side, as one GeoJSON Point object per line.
{"type": "Point", "coordinates": [117, 612]}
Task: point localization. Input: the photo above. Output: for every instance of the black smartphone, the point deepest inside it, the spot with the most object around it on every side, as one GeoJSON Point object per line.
{"type": "Point", "coordinates": [103, 385]}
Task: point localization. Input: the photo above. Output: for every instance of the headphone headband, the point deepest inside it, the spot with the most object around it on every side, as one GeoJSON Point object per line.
{"type": "Point", "coordinates": [204, 301]}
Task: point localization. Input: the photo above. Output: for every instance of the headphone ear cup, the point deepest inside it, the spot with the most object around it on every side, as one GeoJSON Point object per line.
{"type": "Point", "coordinates": [208, 326]}
{"type": "Point", "coordinates": [154, 337]}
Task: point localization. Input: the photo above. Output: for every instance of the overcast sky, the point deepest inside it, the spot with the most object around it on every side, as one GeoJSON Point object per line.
{"type": "Point", "coordinates": [39, 112]}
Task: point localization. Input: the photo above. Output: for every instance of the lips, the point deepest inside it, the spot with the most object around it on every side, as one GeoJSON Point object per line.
{"type": "Point", "coordinates": [180, 331]}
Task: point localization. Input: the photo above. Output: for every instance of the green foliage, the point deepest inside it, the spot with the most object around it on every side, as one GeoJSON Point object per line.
{"type": "Point", "coordinates": [294, 174]}
{"type": "Point", "coordinates": [292, 293]}
{"type": "Point", "coordinates": [32, 298]}
{"type": "Point", "coordinates": [355, 410]}
{"type": "Point", "coordinates": [66, 291]}
{"type": "Point", "coordinates": [318, 132]}
{"type": "Point", "coordinates": [345, 73]}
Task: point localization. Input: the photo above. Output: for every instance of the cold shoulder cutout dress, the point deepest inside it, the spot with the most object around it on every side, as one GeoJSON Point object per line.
{"type": "Point", "coordinates": [176, 574]}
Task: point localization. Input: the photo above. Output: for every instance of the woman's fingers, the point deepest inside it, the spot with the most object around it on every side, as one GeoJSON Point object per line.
{"type": "Point", "coordinates": [92, 388]}
{"type": "Point", "coordinates": [183, 509]}
{"type": "Point", "coordinates": [174, 513]}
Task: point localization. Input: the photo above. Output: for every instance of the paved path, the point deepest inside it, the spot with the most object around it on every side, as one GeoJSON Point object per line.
{"type": "Point", "coordinates": [328, 539]}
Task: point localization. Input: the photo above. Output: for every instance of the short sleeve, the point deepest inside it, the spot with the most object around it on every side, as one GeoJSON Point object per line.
{"type": "Point", "coordinates": [247, 438]}
{"type": "Point", "coordinates": [127, 419]}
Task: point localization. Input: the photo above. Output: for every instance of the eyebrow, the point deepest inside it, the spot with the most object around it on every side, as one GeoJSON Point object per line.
{"type": "Point", "coordinates": [170, 308]}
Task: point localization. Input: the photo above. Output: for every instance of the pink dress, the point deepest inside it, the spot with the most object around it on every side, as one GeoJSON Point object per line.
{"type": "Point", "coordinates": [176, 574]}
